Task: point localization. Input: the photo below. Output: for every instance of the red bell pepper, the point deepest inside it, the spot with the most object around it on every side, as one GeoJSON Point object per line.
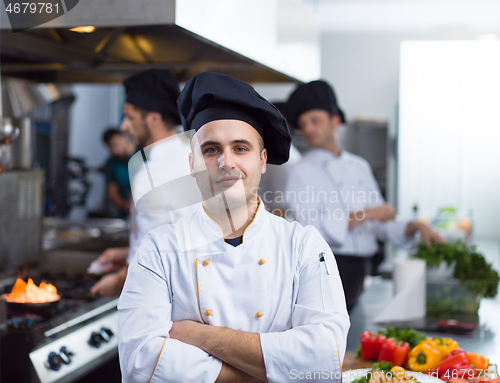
{"type": "Point", "coordinates": [394, 351]}
{"type": "Point", "coordinates": [371, 344]}
{"type": "Point", "coordinates": [455, 365]}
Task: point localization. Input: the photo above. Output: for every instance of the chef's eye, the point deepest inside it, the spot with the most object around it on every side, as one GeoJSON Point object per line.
{"type": "Point", "coordinates": [211, 151]}
{"type": "Point", "coordinates": [241, 149]}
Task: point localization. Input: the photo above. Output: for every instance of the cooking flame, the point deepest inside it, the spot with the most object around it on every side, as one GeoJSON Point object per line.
{"type": "Point", "coordinates": [23, 292]}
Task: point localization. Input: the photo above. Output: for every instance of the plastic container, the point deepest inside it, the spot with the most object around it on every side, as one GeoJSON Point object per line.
{"type": "Point", "coordinates": [451, 297]}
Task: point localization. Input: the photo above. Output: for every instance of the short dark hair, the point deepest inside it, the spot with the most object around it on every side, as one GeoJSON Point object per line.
{"type": "Point", "coordinates": [109, 134]}
{"type": "Point", "coordinates": [167, 119]}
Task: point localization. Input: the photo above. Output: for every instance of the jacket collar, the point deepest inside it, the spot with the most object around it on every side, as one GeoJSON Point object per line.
{"type": "Point", "coordinates": [214, 232]}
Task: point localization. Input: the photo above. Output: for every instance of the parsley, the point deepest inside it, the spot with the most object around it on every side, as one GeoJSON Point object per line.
{"type": "Point", "coordinates": [408, 335]}
{"type": "Point", "coordinates": [471, 268]}
{"type": "Point", "coordinates": [384, 366]}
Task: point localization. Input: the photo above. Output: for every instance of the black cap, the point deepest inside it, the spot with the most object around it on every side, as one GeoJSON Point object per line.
{"type": "Point", "coordinates": [314, 95]}
{"type": "Point", "coordinates": [212, 96]}
{"type": "Point", "coordinates": [155, 90]}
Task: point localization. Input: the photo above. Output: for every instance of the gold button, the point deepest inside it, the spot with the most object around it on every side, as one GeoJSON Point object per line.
{"type": "Point", "coordinates": [208, 313]}
{"type": "Point", "coordinates": [262, 261]}
{"type": "Point", "coordinates": [206, 262]}
{"type": "Point", "coordinates": [259, 314]}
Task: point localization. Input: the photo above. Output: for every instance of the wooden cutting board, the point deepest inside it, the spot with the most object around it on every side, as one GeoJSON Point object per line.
{"type": "Point", "coordinates": [352, 362]}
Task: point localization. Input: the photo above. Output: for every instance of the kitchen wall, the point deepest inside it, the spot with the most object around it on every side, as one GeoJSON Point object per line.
{"type": "Point", "coordinates": [97, 107]}
{"type": "Point", "coordinates": [364, 69]}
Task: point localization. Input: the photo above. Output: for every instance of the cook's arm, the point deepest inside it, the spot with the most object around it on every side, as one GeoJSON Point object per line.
{"type": "Point", "coordinates": [147, 354]}
{"type": "Point", "coordinates": [225, 344]}
{"type": "Point", "coordinates": [320, 322]}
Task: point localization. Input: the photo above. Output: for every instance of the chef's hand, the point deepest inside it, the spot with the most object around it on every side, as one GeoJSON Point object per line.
{"type": "Point", "coordinates": [381, 213]}
{"type": "Point", "coordinates": [427, 233]}
{"type": "Point", "coordinates": [115, 256]}
{"type": "Point", "coordinates": [112, 284]}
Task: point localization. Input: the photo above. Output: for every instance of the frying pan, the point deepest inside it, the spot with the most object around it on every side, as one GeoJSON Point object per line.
{"type": "Point", "coordinates": [29, 306]}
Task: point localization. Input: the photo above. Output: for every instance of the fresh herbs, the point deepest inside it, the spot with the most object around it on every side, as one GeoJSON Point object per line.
{"type": "Point", "coordinates": [382, 366]}
{"type": "Point", "coordinates": [408, 335]}
{"type": "Point", "coordinates": [379, 366]}
{"type": "Point", "coordinates": [471, 269]}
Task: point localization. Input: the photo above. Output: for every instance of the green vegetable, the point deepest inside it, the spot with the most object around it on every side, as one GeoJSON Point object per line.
{"type": "Point", "coordinates": [471, 269]}
{"type": "Point", "coordinates": [363, 379]}
{"type": "Point", "coordinates": [408, 335]}
{"type": "Point", "coordinates": [379, 366]}
{"type": "Point", "coordinates": [382, 366]}
{"type": "Point", "coordinates": [358, 351]}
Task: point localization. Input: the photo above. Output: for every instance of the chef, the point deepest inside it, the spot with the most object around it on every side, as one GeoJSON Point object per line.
{"type": "Point", "coordinates": [233, 292]}
{"type": "Point", "coordinates": [335, 191]}
{"type": "Point", "coordinates": [150, 119]}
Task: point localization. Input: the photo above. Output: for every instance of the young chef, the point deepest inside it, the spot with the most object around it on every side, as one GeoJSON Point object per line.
{"type": "Point", "coordinates": [233, 292]}
{"type": "Point", "coordinates": [150, 116]}
{"type": "Point", "coordinates": [335, 191]}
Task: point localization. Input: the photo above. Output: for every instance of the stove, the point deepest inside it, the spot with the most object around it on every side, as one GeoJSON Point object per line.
{"type": "Point", "coordinates": [59, 343]}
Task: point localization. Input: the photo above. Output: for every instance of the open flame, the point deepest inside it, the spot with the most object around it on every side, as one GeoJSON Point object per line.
{"type": "Point", "coordinates": [23, 292]}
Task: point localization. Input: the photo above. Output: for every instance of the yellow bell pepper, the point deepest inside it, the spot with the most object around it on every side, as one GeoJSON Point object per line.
{"type": "Point", "coordinates": [445, 345]}
{"type": "Point", "coordinates": [423, 358]}
{"type": "Point", "coordinates": [399, 372]}
{"type": "Point", "coordinates": [429, 341]}
{"type": "Point", "coordinates": [478, 361]}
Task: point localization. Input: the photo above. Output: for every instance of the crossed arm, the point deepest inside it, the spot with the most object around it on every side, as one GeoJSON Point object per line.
{"type": "Point", "coordinates": [240, 351]}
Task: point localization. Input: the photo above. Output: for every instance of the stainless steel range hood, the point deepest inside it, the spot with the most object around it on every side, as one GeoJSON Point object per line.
{"type": "Point", "coordinates": [245, 39]}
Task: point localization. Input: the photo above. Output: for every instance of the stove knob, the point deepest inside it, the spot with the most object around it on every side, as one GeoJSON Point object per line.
{"type": "Point", "coordinates": [55, 361]}
{"type": "Point", "coordinates": [95, 339]}
{"type": "Point", "coordinates": [65, 355]}
{"type": "Point", "coordinates": [106, 334]}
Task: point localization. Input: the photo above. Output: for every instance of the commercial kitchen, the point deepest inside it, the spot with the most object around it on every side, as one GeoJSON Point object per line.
{"type": "Point", "coordinates": [418, 85]}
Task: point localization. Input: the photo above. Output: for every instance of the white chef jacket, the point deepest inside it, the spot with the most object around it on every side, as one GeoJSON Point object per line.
{"type": "Point", "coordinates": [167, 160]}
{"type": "Point", "coordinates": [272, 182]}
{"type": "Point", "coordinates": [180, 273]}
{"type": "Point", "coordinates": [323, 189]}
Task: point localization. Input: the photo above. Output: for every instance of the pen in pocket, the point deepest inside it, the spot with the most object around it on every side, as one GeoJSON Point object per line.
{"type": "Point", "coordinates": [322, 259]}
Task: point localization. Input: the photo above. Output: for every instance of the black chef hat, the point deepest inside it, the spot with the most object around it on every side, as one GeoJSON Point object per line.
{"type": "Point", "coordinates": [314, 95]}
{"type": "Point", "coordinates": [155, 90]}
{"type": "Point", "coordinates": [212, 96]}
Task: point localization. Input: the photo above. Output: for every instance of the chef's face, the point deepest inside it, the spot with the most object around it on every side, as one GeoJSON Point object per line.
{"type": "Point", "coordinates": [228, 157]}
{"type": "Point", "coordinates": [135, 125]}
{"type": "Point", "coordinates": [318, 127]}
{"type": "Point", "coordinates": [118, 145]}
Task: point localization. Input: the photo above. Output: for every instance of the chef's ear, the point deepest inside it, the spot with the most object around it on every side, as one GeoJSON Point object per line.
{"type": "Point", "coordinates": [335, 120]}
{"type": "Point", "coordinates": [263, 160]}
{"type": "Point", "coordinates": [191, 164]}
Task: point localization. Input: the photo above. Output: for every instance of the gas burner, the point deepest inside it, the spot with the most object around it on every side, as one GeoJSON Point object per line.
{"type": "Point", "coordinates": [81, 323]}
{"type": "Point", "coordinates": [24, 322]}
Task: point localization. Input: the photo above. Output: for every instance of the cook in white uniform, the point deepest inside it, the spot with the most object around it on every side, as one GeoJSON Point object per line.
{"type": "Point", "coordinates": [335, 191]}
{"type": "Point", "coordinates": [150, 116]}
{"type": "Point", "coordinates": [232, 292]}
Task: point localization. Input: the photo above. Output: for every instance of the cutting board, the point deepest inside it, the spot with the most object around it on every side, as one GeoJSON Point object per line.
{"type": "Point", "coordinates": [352, 362]}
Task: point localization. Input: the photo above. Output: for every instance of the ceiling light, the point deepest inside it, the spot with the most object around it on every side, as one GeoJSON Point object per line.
{"type": "Point", "coordinates": [87, 29]}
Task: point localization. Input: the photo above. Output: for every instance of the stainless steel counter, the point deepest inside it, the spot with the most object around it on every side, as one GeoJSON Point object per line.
{"type": "Point", "coordinates": [485, 339]}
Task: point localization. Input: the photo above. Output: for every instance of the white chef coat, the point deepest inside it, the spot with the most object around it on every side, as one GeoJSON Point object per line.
{"type": "Point", "coordinates": [276, 271]}
{"type": "Point", "coordinates": [323, 189]}
{"type": "Point", "coordinates": [167, 160]}
{"type": "Point", "coordinates": [272, 183]}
